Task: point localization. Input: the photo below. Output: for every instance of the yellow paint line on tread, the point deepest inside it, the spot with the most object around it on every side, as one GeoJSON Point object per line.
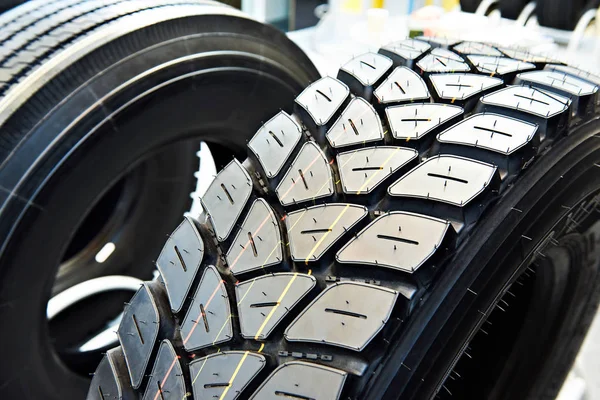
{"type": "Point", "coordinates": [262, 346]}
{"type": "Point", "coordinates": [349, 159]}
{"type": "Point", "coordinates": [246, 294]}
{"type": "Point", "coordinates": [326, 233]}
{"type": "Point", "coordinates": [201, 368]}
{"type": "Point", "coordinates": [269, 256]}
{"type": "Point", "coordinates": [263, 266]}
{"type": "Point", "coordinates": [221, 330]}
{"type": "Point", "coordinates": [237, 369]}
{"type": "Point", "coordinates": [377, 171]}
{"type": "Point", "coordinates": [276, 306]}
{"type": "Point", "coordinates": [249, 242]}
{"type": "Point", "coordinates": [200, 315]}
{"type": "Point", "coordinates": [321, 188]}
{"type": "Point", "coordinates": [305, 169]}
{"type": "Point", "coordinates": [295, 223]}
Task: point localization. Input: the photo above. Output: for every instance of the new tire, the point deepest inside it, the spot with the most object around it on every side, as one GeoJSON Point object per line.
{"type": "Point", "coordinates": [434, 195]}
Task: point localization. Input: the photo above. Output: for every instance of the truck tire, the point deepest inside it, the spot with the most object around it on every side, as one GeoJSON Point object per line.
{"type": "Point", "coordinates": [511, 9]}
{"type": "Point", "coordinates": [560, 15]}
{"type": "Point", "coordinates": [6, 5]}
{"type": "Point", "coordinates": [103, 105]}
{"type": "Point", "coordinates": [435, 195]}
{"type": "Point", "coordinates": [469, 5]}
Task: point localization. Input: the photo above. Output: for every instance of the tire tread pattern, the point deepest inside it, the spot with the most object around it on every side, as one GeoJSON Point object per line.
{"type": "Point", "coordinates": [339, 327]}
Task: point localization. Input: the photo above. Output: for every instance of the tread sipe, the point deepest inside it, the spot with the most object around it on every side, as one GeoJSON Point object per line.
{"type": "Point", "coordinates": [318, 247]}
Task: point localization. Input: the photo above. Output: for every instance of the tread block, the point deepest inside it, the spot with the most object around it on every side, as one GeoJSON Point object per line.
{"type": "Point", "coordinates": [399, 240]}
{"type": "Point", "coordinates": [574, 72]}
{"type": "Point", "coordinates": [448, 179]}
{"type": "Point", "coordinates": [308, 178]}
{"type": "Point", "coordinates": [362, 170]}
{"type": "Point", "coordinates": [493, 132]}
{"type": "Point", "coordinates": [208, 320]}
{"type": "Point", "coordinates": [477, 48]}
{"type": "Point", "coordinates": [531, 100]}
{"type": "Point", "coordinates": [559, 81]}
{"type": "Point", "coordinates": [442, 60]}
{"type": "Point", "coordinates": [362, 72]}
{"type": "Point", "coordinates": [583, 94]}
{"type": "Point", "coordinates": [166, 378]}
{"type": "Point", "coordinates": [258, 242]}
{"type": "Point", "coordinates": [110, 380]}
{"type": "Point", "coordinates": [498, 65]}
{"type": "Point", "coordinates": [462, 86]}
{"type": "Point", "coordinates": [138, 331]}
{"type": "Point", "coordinates": [526, 55]}
{"type": "Point", "coordinates": [9, 73]}
{"type": "Point", "coordinates": [226, 197]}
{"type": "Point", "coordinates": [302, 381]}
{"type": "Point", "coordinates": [179, 261]}
{"type": "Point", "coordinates": [402, 85]}
{"type": "Point", "coordinates": [405, 52]}
{"type": "Point", "coordinates": [358, 124]}
{"type": "Point", "coordinates": [413, 121]}
{"type": "Point", "coordinates": [224, 375]}
{"type": "Point", "coordinates": [274, 142]}
{"type": "Point", "coordinates": [264, 301]}
{"type": "Point", "coordinates": [312, 231]}
{"type": "Point", "coordinates": [321, 99]}
{"type": "Point", "coordinates": [438, 41]}
{"type": "Point", "coordinates": [346, 314]}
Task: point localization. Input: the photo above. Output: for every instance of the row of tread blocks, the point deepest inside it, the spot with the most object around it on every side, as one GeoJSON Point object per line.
{"type": "Point", "coordinates": [48, 31]}
{"type": "Point", "coordinates": [33, 37]}
{"type": "Point", "coordinates": [28, 46]}
{"type": "Point", "coordinates": [323, 249]}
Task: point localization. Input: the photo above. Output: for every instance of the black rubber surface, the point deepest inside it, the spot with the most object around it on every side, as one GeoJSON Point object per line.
{"type": "Point", "coordinates": [321, 247]}
{"type": "Point", "coordinates": [6, 5]}
{"type": "Point", "coordinates": [469, 5]}
{"type": "Point", "coordinates": [511, 9]}
{"type": "Point", "coordinates": [560, 14]}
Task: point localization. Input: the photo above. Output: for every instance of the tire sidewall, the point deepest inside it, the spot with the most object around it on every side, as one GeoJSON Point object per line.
{"type": "Point", "coordinates": [440, 315]}
{"type": "Point", "coordinates": [74, 140]}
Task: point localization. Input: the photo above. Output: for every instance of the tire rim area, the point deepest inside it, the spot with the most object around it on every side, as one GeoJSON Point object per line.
{"type": "Point", "coordinates": [96, 237]}
{"type": "Point", "coordinates": [81, 317]}
{"type": "Point", "coordinates": [78, 339]}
